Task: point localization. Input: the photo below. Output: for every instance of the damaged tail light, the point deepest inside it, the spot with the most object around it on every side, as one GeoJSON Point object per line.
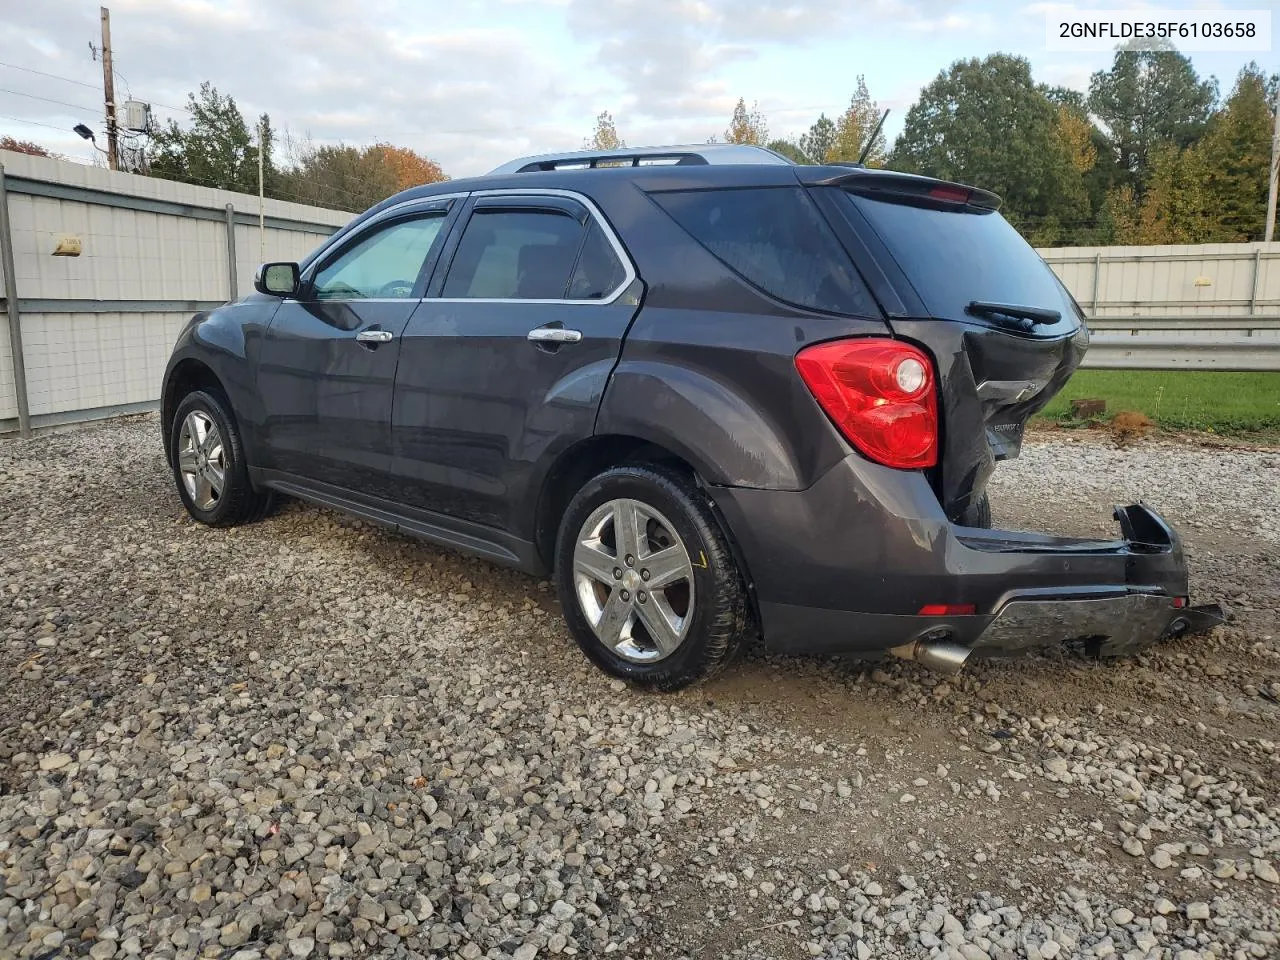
{"type": "Point", "coordinates": [880, 394]}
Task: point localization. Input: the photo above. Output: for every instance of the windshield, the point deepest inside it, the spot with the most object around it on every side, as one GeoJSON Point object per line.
{"type": "Point", "coordinates": [955, 257]}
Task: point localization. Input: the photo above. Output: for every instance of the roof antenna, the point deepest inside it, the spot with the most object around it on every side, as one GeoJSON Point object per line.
{"type": "Point", "coordinates": [872, 139]}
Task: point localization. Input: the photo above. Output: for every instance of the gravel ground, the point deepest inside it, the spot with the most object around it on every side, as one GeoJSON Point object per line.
{"type": "Point", "coordinates": [310, 737]}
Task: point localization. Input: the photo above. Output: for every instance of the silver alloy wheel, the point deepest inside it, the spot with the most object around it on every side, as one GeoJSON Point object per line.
{"type": "Point", "coordinates": [634, 580]}
{"type": "Point", "coordinates": [202, 460]}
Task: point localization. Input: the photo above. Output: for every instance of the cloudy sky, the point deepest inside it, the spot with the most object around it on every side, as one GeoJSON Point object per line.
{"type": "Point", "coordinates": [475, 82]}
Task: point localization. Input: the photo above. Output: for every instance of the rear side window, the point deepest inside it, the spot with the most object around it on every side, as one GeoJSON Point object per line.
{"type": "Point", "coordinates": [515, 255]}
{"type": "Point", "coordinates": [599, 271]}
{"type": "Point", "coordinates": [953, 257]}
{"type": "Point", "coordinates": [775, 239]}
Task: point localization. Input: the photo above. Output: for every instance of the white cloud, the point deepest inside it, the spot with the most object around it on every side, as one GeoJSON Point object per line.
{"type": "Point", "coordinates": [328, 68]}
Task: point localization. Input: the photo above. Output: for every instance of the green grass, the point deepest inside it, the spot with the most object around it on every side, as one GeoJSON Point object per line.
{"type": "Point", "coordinates": [1229, 403]}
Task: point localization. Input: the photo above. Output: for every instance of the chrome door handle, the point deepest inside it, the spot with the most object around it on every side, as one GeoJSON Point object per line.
{"type": "Point", "coordinates": [554, 335]}
{"type": "Point", "coordinates": [374, 336]}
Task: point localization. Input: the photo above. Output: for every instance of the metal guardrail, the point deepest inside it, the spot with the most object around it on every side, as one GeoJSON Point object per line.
{"type": "Point", "coordinates": [1185, 343]}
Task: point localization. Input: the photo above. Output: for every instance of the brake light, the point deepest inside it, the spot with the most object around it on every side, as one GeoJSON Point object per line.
{"type": "Point", "coordinates": [880, 394]}
{"type": "Point", "coordinates": [946, 610]}
{"type": "Point", "coordinates": [950, 194]}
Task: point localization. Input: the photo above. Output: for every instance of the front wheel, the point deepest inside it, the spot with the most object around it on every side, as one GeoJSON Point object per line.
{"type": "Point", "coordinates": [649, 587]}
{"type": "Point", "coordinates": [209, 464]}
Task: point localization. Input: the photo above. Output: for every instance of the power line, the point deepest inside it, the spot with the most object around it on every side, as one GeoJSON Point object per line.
{"type": "Point", "coordinates": [51, 76]}
{"type": "Point", "coordinates": [35, 123]}
{"type": "Point", "coordinates": [61, 103]}
{"type": "Point", "coordinates": [91, 86]}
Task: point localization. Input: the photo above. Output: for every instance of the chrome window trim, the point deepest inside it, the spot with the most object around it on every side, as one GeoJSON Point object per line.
{"type": "Point", "coordinates": [628, 268]}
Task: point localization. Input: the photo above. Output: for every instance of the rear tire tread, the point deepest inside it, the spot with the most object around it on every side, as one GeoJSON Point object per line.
{"type": "Point", "coordinates": [719, 630]}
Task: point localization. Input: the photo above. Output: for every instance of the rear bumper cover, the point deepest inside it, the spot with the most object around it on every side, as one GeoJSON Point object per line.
{"type": "Point", "coordinates": [1112, 626]}
{"type": "Point", "coordinates": [845, 566]}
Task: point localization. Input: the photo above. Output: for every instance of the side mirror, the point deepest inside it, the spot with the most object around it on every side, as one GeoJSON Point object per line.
{"type": "Point", "coordinates": [277, 279]}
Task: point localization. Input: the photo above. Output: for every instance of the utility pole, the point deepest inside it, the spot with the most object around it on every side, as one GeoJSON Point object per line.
{"type": "Point", "coordinates": [262, 220]}
{"type": "Point", "coordinates": [109, 92]}
{"type": "Point", "coordinates": [1275, 170]}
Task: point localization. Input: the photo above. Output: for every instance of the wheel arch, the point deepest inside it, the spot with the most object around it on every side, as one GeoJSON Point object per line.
{"type": "Point", "coordinates": [187, 375]}
{"type": "Point", "coordinates": [590, 457]}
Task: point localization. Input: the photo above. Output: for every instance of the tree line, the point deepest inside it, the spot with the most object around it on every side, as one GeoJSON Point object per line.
{"type": "Point", "coordinates": [1148, 155]}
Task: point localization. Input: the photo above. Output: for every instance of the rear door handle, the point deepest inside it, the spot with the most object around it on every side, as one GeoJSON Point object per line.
{"type": "Point", "coordinates": [374, 336]}
{"type": "Point", "coordinates": [554, 335]}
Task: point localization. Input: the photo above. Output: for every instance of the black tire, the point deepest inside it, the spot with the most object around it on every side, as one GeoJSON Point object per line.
{"type": "Point", "coordinates": [977, 514]}
{"type": "Point", "coordinates": [237, 502]}
{"type": "Point", "coordinates": [720, 619]}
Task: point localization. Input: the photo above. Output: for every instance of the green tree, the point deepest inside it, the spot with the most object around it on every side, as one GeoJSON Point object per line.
{"type": "Point", "coordinates": [817, 142]}
{"type": "Point", "coordinates": [1237, 155]}
{"type": "Point", "coordinates": [986, 122]}
{"type": "Point", "coordinates": [1066, 97]}
{"type": "Point", "coordinates": [747, 126]}
{"type": "Point", "coordinates": [606, 134]}
{"type": "Point", "coordinates": [1149, 97]}
{"type": "Point", "coordinates": [854, 127]}
{"type": "Point", "coordinates": [789, 149]}
{"type": "Point", "coordinates": [1176, 206]}
{"type": "Point", "coordinates": [216, 150]}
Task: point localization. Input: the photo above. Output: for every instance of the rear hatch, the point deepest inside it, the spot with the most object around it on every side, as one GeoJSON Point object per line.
{"type": "Point", "coordinates": [955, 277]}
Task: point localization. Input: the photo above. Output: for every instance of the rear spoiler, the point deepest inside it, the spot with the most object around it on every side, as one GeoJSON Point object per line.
{"type": "Point", "coordinates": [899, 187]}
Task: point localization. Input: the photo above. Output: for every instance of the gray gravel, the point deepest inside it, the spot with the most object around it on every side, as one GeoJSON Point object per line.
{"type": "Point", "coordinates": [312, 738]}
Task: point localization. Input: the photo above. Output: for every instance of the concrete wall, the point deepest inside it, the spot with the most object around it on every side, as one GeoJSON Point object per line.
{"type": "Point", "coordinates": [97, 328]}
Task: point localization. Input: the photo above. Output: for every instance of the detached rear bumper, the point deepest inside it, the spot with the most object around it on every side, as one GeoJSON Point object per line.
{"type": "Point", "coordinates": [1112, 626]}
{"type": "Point", "coordinates": [848, 566]}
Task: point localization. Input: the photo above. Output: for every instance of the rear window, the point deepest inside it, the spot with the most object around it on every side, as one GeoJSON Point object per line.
{"type": "Point", "coordinates": [775, 239]}
{"type": "Point", "coordinates": [952, 258]}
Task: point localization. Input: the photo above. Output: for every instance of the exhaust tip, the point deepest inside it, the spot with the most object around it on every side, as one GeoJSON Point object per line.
{"type": "Point", "coordinates": [940, 655]}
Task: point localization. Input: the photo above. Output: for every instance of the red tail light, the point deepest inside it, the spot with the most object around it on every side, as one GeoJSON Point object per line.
{"type": "Point", "coordinates": [946, 610]}
{"type": "Point", "coordinates": [950, 194]}
{"type": "Point", "coordinates": [881, 395]}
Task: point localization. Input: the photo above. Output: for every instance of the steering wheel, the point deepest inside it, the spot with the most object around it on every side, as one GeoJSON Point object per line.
{"type": "Point", "coordinates": [394, 288]}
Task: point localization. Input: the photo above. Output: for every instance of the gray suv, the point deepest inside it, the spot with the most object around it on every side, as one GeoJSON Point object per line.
{"type": "Point", "coordinates": [712, 393]}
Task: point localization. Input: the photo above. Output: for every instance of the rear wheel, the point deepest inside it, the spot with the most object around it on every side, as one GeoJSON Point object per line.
{"type": "Point", "coordinates": [649, 588]}
{"type": "Point", "coordinates": [209, 464]}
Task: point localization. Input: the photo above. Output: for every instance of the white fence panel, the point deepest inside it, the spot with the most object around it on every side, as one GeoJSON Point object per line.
{"type": "Point", "coordinates": [1207, 280]}
{"type": "Point", "coordinates": [8, 395]}
{"type": "Point", "coordinates": [98, 327]}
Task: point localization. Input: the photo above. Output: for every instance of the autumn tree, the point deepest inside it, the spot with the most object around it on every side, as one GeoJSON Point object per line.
{"type": "Point", "coordinates": [606, 134]}
{"type": "Point", "coordinates": [25, 146]}
{"type": "Point", "coordinates": [816, 144]}
{"type": "Point", "coordinates": [854, 126]}
{"type": "Point", "coordinates": [1074, 134]}
{"type": "Point", "coordinates": [216, 149]}
{"type": "Point", "coordinates": [747, 126]}
{"type": "Point", "coordinates": [353, 178]}
{"type": "Point", "coordinates": [1075, 139]}
{"type": "Point", "coordinates": [408, 168]}
{"type": "Point", "coordinates": [1237, 156]}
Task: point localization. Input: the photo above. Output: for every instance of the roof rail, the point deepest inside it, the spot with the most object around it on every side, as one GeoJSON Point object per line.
{"type": "Point", "coordinates": [700, 154]}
